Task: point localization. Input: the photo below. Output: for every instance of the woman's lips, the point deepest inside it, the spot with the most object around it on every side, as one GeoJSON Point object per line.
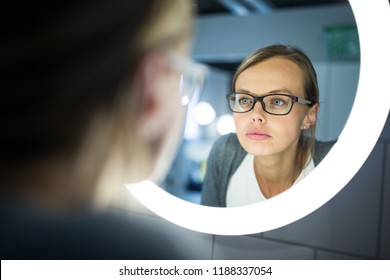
{"type": "Point", "coordinates": [256, 134]}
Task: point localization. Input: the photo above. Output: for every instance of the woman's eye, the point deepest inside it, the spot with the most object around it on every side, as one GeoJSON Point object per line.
{"type": "Point", "coordinates": [277, 102]}
{"type": "Point", "coordinates": [245, 101]}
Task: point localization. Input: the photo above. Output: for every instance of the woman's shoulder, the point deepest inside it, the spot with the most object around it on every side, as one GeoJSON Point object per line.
{"type": "Point", "coordinates": [230, 138]}
{"type": "Point", "coordinates": [227, 149]}
{"type": "Point", "coordinates": [321, 149]}
{"type": "Point", "coordinates": [229, 144]}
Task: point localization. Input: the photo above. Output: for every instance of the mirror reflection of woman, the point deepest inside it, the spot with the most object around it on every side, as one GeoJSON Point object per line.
{"type": "Point", "coordinates": [275, 103]}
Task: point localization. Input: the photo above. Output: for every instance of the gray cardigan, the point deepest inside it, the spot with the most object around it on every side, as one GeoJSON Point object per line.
{"type": "Point", "coordinates": [224, 159]}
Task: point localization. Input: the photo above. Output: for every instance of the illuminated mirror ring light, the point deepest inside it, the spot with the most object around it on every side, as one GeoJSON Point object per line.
{"type": "Point", "coordinates": [324, 182]}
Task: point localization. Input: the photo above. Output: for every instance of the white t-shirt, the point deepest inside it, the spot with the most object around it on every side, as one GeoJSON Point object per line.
{"type": "Point", "coordinates": [243, 188]}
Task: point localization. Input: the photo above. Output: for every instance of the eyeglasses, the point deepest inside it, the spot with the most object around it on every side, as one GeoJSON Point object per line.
{"type": "Point", "coordinates": [274, 103]}
{"type": "Point", "coordinates": [192, 76]}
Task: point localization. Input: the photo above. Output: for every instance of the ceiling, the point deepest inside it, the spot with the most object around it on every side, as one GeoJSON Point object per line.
{"type": "Point", "coordinates": [245, 7]}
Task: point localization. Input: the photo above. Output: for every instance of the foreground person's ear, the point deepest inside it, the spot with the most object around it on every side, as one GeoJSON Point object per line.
{"type": "Point", "coordinates": [152, 84]}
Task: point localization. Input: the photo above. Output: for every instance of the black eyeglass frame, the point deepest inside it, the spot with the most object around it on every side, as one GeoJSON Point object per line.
{"type": "Point", "coordinates": [295, 99]}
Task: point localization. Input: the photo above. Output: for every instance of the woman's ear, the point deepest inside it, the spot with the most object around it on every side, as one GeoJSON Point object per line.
{"type": "Point", "coordinates": [311, 116]}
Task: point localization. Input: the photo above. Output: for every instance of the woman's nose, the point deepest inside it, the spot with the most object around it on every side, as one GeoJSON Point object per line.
{"type": "Point", "coordinates": [258, 113]}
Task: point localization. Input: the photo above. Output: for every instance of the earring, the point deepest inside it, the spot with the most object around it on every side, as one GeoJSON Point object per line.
{"type": "Point", "coordinates": [304, 127]}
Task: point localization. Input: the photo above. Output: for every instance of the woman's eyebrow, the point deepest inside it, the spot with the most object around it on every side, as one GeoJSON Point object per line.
{"type": "Point", "coordinates": [243, 91]}
{"type": "Point", "coordinates": [269, 92]}
{"type": "Point", "coordinates": [280, 91]}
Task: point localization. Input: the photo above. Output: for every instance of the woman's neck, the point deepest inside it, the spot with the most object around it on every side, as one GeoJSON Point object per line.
{"type": "Point", "coordinates": [275, 174]}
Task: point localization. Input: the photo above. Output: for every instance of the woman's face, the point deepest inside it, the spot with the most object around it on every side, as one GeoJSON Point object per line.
{"type": "Point", "coordinates": [263, 134]}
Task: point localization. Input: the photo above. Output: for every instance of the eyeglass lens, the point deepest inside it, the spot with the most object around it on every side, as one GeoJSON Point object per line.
{"type": "Point", "coordinates": [190, 86]}
{"type": "Point", "coordinates": [192, 76]}
{"type": "Point", "coordinates": [274, 104]}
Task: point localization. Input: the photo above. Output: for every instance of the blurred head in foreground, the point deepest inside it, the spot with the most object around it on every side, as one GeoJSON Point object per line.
{"type": "Point", "coordinates": [91, 96]}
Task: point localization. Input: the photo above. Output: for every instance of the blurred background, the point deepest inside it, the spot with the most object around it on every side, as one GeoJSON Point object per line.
{"type": "Point", "coordinates": [226, 32]}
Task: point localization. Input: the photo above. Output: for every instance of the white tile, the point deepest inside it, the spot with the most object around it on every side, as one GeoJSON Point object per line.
{"type": "Point", "coordinates": [384, 245]}
{"type": "Point", "coordinates": [249, 247]}
{"type": "Point", "coordinates": [326, 255]}
{"type": "Point", "coordinates": [385, 135]}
